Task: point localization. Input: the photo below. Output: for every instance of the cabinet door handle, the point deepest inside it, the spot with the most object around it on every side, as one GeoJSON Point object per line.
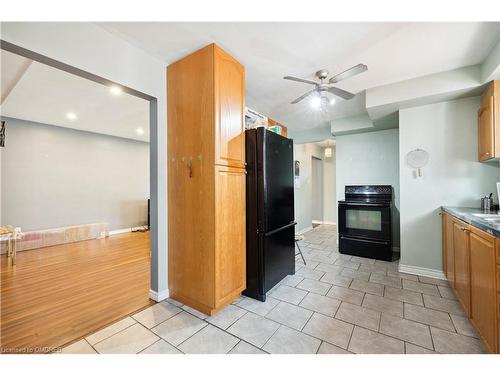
{"type": "Point", "coordinates": [463, 229]}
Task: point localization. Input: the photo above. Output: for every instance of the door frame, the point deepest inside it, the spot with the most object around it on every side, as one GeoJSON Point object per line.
{"type": "Point", "coordinates": [153, 147]}
{"type": "Point", "coordinates": [315, 159]}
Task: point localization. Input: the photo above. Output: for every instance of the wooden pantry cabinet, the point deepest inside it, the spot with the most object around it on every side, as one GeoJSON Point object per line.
{"type": "Point", "coordinates": [475, 277]}
{"type": "Point", "coordinates": [206, 179]}
{"type": "Point", "coordinates": [489, 123]}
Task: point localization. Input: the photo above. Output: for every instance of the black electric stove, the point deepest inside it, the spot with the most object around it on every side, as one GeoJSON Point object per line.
{"type": "Point", "coordinates": [365, 222]}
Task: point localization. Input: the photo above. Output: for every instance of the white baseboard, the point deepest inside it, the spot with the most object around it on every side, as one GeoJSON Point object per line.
{"type": "Point", "coordinates": [304, 230]}
{"type": "Point", "coordinates": [125, 230]}
{"type": "Point", "coordinates": [421, 271]}
{"type": "Point", "coordinates": [324, 222]}
{"type": "Point", "coordinates": [159, 296]}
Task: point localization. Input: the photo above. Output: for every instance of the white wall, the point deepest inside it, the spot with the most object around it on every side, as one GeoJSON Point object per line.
{"type": "Point", "coordinates": [370, 159]}
{"type": "Point", "coordinates": [453, 177]}
{"type": "Point", "coordinates": [88, 47]}
{"type": "Point", "coordinates": [304, 196]}
{"type": "Point", "coordinates": [55, 177]}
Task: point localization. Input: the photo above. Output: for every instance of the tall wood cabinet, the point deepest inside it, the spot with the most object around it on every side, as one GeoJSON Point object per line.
{"type": "Point", "coordinates": [488, 123]}
{"type": "Point", "coordinates": [475, 277]}
{"type": "Point", "coordinates": [206, 179]}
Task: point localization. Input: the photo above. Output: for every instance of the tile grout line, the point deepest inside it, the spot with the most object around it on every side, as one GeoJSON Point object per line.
{"type": "Point", "coordinates": [109, 325]}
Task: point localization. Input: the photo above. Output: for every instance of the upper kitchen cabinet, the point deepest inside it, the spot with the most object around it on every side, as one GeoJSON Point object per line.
{"type": "Point", "coordinates": [229, 85]}
{"type": "Point", "coordinates": [489, 123]}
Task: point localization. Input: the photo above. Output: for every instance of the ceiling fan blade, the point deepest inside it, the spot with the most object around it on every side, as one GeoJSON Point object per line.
{"type": "Point", "coordinates": [342, 93]}
{"type": "Point", "coordinates": [360, 68]}
{"type": "Point", "coordinates": [303, 96]}
{"type": "Point", "coordinates": [301, 80]}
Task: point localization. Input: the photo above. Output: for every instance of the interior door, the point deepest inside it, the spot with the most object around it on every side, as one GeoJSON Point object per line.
{"type": "Point", "coordinates": [317, 189]}
{"type": "Point", "coordinates": [462, 263]}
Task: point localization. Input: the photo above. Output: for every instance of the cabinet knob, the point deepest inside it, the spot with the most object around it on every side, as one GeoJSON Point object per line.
{"type": "Point", "coordinates": [487, 154]}
{"type": "Point", "coordinates": [463, 229]}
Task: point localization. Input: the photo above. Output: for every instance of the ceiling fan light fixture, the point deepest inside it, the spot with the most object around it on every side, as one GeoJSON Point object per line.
{"type": "Point", "coordinates": [321, 88]}
{"type": "Point", "coordinates": [316, 102]}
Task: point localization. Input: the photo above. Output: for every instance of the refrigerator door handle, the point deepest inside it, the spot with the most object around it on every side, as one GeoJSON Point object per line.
{"type": "Point", "coordinates": [280, 229]}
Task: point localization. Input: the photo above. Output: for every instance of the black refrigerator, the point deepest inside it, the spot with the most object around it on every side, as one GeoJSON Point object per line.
{"type": "Point", "coordinates": [270, 211]}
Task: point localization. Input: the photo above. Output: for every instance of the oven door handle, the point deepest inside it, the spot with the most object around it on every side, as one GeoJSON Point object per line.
{"type": "Point", "coordinates": [361, 204]}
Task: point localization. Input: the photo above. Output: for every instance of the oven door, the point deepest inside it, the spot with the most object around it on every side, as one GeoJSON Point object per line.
{"type": "Point", "coordinates": [366, 220]}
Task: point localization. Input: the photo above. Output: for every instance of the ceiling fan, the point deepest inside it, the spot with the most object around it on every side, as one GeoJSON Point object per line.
{"type": "Point", "coordinates": [322, 88]}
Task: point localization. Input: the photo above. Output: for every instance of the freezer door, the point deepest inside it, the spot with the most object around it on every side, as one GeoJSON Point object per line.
{"type": "Point", "coordinates": [279, 255]}
{"type": "Point", "coordinates": [276, 180]}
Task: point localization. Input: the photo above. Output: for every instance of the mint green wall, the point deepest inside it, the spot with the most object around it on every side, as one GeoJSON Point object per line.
{"type": "Point", "coordinates": [370, 159]}
{"type": "Point", "coordinates": [453, 176]}
{"type": "Point", "coordinates": [313, 135]}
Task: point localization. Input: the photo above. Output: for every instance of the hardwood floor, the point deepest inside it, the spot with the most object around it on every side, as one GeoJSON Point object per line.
{"type": "Point", "coordinates": [57, 294]}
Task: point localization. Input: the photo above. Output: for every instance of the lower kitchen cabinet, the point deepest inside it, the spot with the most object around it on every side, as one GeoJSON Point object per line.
{"type": "Point", "coordinates": [461, 252]}
{"type": "Point", "coordinates": [448, 255]}
{"type": "Point", "coordinates": [483, 286]}
{"type": "Point", "coordinates": [472, 266]}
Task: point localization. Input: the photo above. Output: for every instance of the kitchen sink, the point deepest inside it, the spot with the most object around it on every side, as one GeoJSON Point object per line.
{"type": "Point", "coordinates": [488, 216]}
{"type": "Point", "coordinates": [494, 221]}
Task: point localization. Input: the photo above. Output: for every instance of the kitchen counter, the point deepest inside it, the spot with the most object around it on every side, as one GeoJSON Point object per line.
{"type": "Point", "coordinates": [469, 215]}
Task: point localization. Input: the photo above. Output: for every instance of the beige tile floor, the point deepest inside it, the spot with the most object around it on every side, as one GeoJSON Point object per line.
{"type": "Point", "coordinates": [333, 304]}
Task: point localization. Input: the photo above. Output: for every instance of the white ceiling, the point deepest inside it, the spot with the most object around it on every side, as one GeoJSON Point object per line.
{"type": "Point", "coordinates": [44, 94]}
{"type": "Point", "coordinates": [269, 51]}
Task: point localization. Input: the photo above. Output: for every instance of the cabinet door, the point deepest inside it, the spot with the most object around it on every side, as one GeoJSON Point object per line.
{"type": "Point", "coordinates": [229, 110]}
{"type": "Point", "coordinates": [462, 263]}
{"type": "Point", "coordinates": [486, 129]}
{"type": "Point", "coordinates": [190, 179]}
{"type": "Point", "coordinates": [449, 252]}
{"type": "Point", "coordinates": [483, 293]}
{"type": "Point", "coordinates": [230, 237]}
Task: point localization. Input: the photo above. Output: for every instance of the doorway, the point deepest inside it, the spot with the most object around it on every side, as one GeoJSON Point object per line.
{"type": "Point", "coordinates": [91, 239]}
{"type": "Point", "coordinates": [317, 191]}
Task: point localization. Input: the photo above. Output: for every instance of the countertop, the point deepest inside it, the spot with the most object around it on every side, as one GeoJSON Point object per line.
{"type": "Point", "coordinates": [466, 214]}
